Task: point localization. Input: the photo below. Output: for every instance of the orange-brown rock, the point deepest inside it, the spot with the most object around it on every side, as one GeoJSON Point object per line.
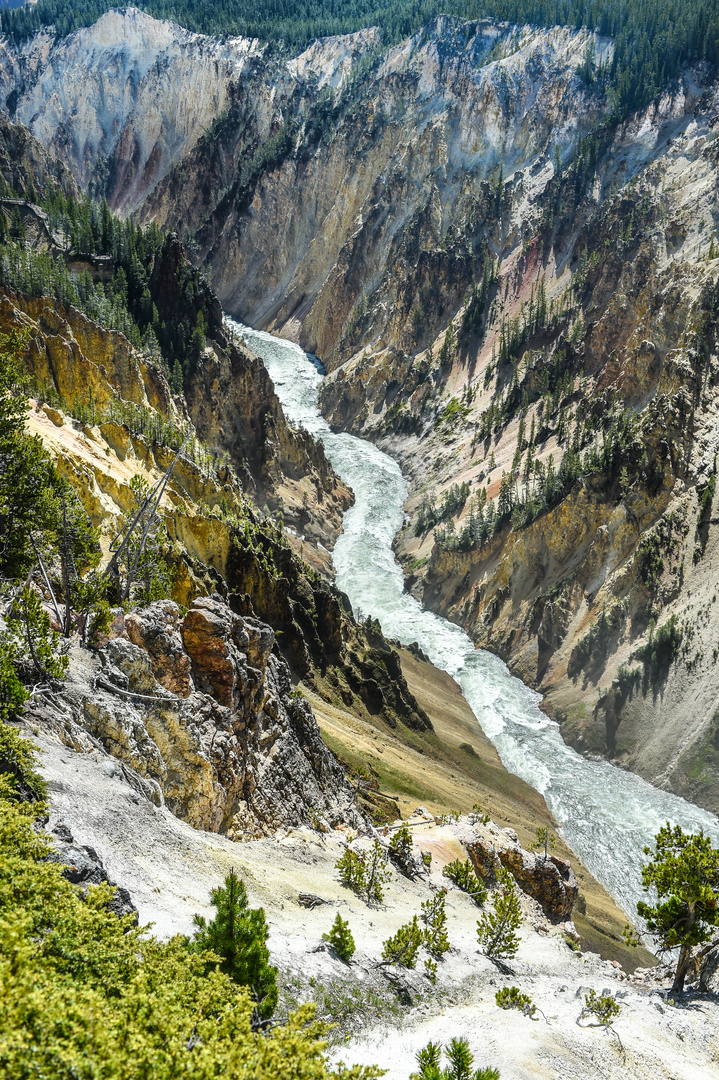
{"type": "Point", "coordinates": [203, 713]}
{"type": "Point", "coordinates": [550, 881]}
{"type": "Point", "coordinates": [156, 630]}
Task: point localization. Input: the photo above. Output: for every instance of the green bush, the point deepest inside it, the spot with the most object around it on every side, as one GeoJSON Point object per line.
{"type": "Point", "coordinates": [460, 1063]}
{"type": "Point", "coordinates": [496, 930]}
{"type": "Point", "coordinates": [13, 694]}
{"type": "Point", "coordinates": [340, 938]}
{"type": "Point", "coordinates": [435, 935]}
{"type": "Point", "coordinates": [602, 1007]}
{"type": "Point", "coordinates": [238, 935]}
{"type": "Point", "coordinates": [403, 947]}
{"type": "Point", "coordinates": [511, 997]}
{"type": "Point", "coordinates": [365, 872]}
{"type": "Point", "coordinates": [400, 850]}
{"type": "Point", "coordinates": [86, 995]}
{"type": "Point", "coordinates": [30, 641]}
{"type": "Point", "coordinates": [464, 877]}
{"type": "Point", "coordinates": [17, 762]}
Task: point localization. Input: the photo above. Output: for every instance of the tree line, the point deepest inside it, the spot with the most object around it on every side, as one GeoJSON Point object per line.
{"type": "Point", "coordinates": [135, 300]}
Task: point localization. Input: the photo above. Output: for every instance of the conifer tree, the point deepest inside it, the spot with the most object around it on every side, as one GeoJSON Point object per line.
{"type": "Point", "coordinates": [496, 930]}
{"type": "Point", "coordinates": [460, 1063]}
{"type": "Point", "coordinates": [403, 947]}
{"type": "Point", "coordinates": [400, 850]}
{"type": "Point", "coordinates": [435, 935]}
{"type": "Point", "coordinates": [684, 870]}
{"type": "Point", "coordinates": [238, 934]}
{"type": "Point", "coordinates": [340, 938]}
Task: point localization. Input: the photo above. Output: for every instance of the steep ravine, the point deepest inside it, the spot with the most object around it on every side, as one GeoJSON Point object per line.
{"type": "Point", "coordinates": [473, 152]}
{"type": "Point", "coordinates": [607, 815]}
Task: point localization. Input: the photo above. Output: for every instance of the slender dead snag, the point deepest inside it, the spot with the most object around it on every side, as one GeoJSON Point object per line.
{"type": "Point", "coordinates": [46, 579]}
{"type": "Point", "coordinates": [65, 564]}
{"type": "Point", "coordinates": [145, 515]}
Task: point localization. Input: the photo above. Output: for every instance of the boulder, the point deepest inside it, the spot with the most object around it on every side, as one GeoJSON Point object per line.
{"type": "Point", "coordinates": [82, 866]}
{"type": "Point", "coordinates": [156, 630]}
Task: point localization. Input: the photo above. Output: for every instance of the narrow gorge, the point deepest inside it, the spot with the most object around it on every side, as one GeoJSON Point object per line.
{"type": "Point", "coordinates": [359, 376]}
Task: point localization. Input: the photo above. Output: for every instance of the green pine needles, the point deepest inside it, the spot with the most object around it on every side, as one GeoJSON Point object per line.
{"type": "Point", "coordinates": [400, 851]}
{"type": "Point", "coordinates": [85, 994]}
{"type": "Point", "coordinates": [460, 1063]}
{"type": "Point", "coordinates": [365, 872]}
{"type": "Point", "coordinates": [496, 930]}
{"type": "Point", "coordinates": [684, 870]}
{"type": "Point", "coordinates": [340, 939]}
{"type": "Point", "coordinates": [435, 935]}
{"type": "Point", "coordinates": [238, 935]}
{"type": "Point", "coordinates": [511, 997]}
{"type": "Point", "coordinates": [464, 877]}
{"type": "Point", "coordinates": [403, 947]}
{"type": "Point", "coordinates": [602, 1007]}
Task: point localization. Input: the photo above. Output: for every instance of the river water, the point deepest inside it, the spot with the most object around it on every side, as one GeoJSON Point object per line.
{"type": "Point", "coordinates": [606, 815]}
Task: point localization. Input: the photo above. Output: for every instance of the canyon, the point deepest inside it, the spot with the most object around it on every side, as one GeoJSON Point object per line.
{"type": "Point", "coordinates": [470, 149]}
{"type": "Point", "coordinates": [509, 300]}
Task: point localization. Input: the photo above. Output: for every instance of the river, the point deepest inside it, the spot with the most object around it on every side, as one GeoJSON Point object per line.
{"type": "Point", "coordinates": [606, 815]}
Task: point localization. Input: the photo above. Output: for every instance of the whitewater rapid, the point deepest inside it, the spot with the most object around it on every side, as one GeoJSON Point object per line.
{"type": "Point", "coordinates": [606, 815]}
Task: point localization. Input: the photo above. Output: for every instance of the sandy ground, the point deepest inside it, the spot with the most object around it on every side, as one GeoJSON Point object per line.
{"type": "Point", "coordinates": [169, 869]}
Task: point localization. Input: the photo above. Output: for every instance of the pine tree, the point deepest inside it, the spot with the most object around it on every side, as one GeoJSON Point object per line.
{"type": "Point", "coordinates": [545, 839]}
{"type": "Point", "coordinates": [460, 1063]}
{"type": "Point", "coordinates": [435, 935]}
{"type": "Point", "coordinates": [364, 871]}
{"type": "Point", "coordinates": [400, 851]}
{"type": "Point", "coordinates": [340, 938]}
{"type": "Point", "coordinates": [464, 877]}
{"type": "Point", "coordinates": [496, 930]}
{"type": "Point", "coordinates": [403, 947]}
{"type": "Point", "coordinates": [238, 934]}
{"type": "Point", "coordinates": [684, 870]}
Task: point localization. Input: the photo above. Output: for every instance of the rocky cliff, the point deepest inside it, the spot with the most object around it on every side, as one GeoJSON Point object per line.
{"type": "Point", "coordinates": [120, 102]}
{"type": "Point", "coordinates": [199, 713]}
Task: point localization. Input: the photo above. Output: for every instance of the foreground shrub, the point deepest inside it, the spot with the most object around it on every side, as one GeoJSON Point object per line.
{"type": "Point", "coordinates": [402, 949]}
{"type": "Point", "coordinates": [365, 872]}
{"type": "Point", "coordinates": [464, 877]}
{"type": "Point", "coordinates": [496, 931]}
{"type": "Point", "coordinates": [511, 997]}
{"type": "Point", "coordinates": [460, 1063]}
{"type": "Point", "coordinates": [85, 995]}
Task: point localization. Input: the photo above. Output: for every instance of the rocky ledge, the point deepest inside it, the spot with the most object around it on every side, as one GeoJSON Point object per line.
{"type": "Point", "coordinates": [200, 714]}
{"type": "Point", "coordinates": [546, 878]}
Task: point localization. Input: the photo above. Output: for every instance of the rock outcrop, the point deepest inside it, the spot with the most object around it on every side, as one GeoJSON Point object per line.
{"type": "Point", "coordinates": [548, 880]}
{"type": "Point", "coordinates": [200, 712]}
{"type": "Point", "coordinates": [82, 866]}
{"type": "Point", "coordinates": [25, 163]}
